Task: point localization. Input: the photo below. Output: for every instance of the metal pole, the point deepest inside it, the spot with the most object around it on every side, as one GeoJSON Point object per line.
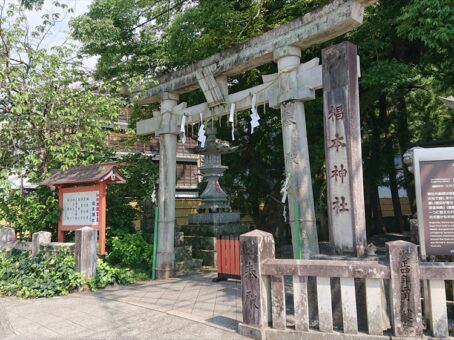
{"type": "Point", "coordinates": [296, 217]}
{"type": "Point", "coordinates": [155, 242]}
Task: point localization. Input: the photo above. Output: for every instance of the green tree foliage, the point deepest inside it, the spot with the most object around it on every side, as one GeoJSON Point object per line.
{"type": "Point", "coordinates": [406, 62]}
{"type": "Point", "coordinates": [125, 202]}
{"type": "Point", "coordinates": [29, 212]}
{"type": "Point", "coordinates": [125, 34]}
{"type": "Point", "coordinates": [52, 114]}
{"type": "Point", "coordinates": [197, 32]}
{"type": "Point", "coordinates": [403, 72]}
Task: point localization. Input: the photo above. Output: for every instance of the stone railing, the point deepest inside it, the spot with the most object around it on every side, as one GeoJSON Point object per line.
{"type": "Point", "coordinates": [341, 298]}
{"type": "Point", "coordinates": [84, 248]}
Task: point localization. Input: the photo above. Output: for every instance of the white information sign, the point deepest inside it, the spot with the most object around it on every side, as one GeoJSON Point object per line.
{"type": "Point", "coordinates": [80, 208]}
{"type": "Point", "coordinates": [434, 184]}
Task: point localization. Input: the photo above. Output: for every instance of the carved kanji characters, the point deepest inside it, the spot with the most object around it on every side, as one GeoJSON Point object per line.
{"type": "Point", "coordinates": [251, 299]}
{"type": "Point", "coordinates": [249, 270]}
{"type": "Point", "coordinates": [335, 113]}
{"type": "Point", "coordinates": [337, 142]}
{"type": "Point", "coordinates": [339, 204]}
{"type": "Point", "coordinates": [340, 172]}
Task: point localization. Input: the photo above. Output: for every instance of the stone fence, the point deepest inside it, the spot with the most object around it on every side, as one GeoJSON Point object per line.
{"type": "Point", "coordinates": [84, 248]}
{"type": "Point", "coordinates": [345, 299]}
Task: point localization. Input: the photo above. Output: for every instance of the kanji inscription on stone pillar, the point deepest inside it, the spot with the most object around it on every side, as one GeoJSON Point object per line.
{"type": "Point", "coordinates": [343, 150]}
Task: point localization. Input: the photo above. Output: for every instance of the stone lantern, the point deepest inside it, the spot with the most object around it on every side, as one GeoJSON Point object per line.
{"type": "Point", "coordinates": [215, 207]}
{"type": "Point", "coordinates": [215, 222]}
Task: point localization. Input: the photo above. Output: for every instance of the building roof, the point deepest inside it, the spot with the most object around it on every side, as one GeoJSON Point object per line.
{"type": "Point", "coordinates": [449, 101]}
{"type": "Point", "coordinates": [85, 174]}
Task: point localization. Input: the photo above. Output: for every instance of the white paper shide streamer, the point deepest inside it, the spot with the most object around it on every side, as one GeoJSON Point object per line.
{"type": "Point", "coordinates": [182, 129]}
{"type": "Point", "coordinates": [153, 196]}
{"type": "Point", "coordinates": [254, 114]}
{"type": "Point", "coordinates": [201, 134]}
{"type": "Point", "coordinates": [232, 119]}
{"type": "Point", "coordinates": [284, 192]}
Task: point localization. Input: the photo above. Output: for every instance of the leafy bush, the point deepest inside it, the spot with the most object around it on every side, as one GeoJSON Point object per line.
{"type": "Point", "coordinates": [130, 250]}
{"type": "Point", "coordinates": [29, 212]}
{"type": "Point", "coordinates": [107, 275]}
{"type": "Point", "coordinates": [44, 275]}
{"type": "Point", "coordinates": [52, 274]}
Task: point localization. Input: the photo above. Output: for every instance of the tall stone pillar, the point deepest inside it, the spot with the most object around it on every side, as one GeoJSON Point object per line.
{"type": "Point", "coordinates": [167, 133]}
{"type": "Point", "coordinates": [344, 172]}
{"type": "Point", "coordinates": [296, 154]}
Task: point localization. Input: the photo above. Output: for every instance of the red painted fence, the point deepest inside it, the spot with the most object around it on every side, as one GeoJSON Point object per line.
{"type": "Point", "coordinates": [228, 257]}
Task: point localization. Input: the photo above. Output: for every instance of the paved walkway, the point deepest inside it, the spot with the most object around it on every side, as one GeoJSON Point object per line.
{"type": "Point", "coordinates": [190, 307]}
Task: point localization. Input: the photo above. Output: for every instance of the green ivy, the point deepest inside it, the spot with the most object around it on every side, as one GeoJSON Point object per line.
{"type": "Point", "coordinates": [130, 250]}
{"type": "Point", "coordinates": [52, 274]}
{"type": "Point", "coordinates": [108, 275]}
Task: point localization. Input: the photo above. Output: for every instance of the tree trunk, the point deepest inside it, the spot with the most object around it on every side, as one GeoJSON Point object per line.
{"type": "Point", "coordinates": [377, 216]}
{"type": "Point", "coordinates": [389, 154]}
{"type": "Point", "coordinates": [396, 199]}
{"type": "Point", "coordinates": [403, 134]}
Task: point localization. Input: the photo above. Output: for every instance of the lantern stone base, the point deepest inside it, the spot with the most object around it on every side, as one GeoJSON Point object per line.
{"type": "Point", "coordinates": [214, 218]}
{"type": "Point", "coordinates": [214, 230]}
{"type": "Point", "coordinates": [184, 261]}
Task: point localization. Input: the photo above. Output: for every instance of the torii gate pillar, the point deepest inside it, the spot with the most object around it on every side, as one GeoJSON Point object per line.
{"type": "Point", "coordinates": [296, 155]}
{"type": "Point", "coordinates": [167, 133]}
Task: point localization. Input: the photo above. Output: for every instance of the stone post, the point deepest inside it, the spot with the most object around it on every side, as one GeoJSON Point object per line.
{"type": "Point", "coordinates": [7, 235]}
{"type": "Point", "coordinates": [405, 289]}
{"type": "Point", "coordinates": [344, 172]}
{"type": "Point", "coordinates": [85, 251]}
{"type": "Point", "coordinates": [296, 154]}
{"type": "Point", "coordinates": [255, 247]}
{"type": "Point", "coordinates": [41, 237]}
{"type": "Point", "coordinates": [167, 133]}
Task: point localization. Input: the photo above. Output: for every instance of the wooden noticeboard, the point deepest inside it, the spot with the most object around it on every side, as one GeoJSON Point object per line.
{"type": "Point", "coordinates": [434, 180]}
{"type": "Point", "coordinates": [82, 198]}
{"type": "Point", "coordinates": [83, 206]}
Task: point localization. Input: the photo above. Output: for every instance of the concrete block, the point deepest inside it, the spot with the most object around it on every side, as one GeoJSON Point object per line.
{"type": "Point", "coordinates": [214, 218]}
{"type": "Point", "coordinates": [200, 242]}
{"type": "Point", "coordinates": [85, 251]}
{"type": "Point", "coordinates": [7, 235]}
{"type": "Point", "coordinates": [208, 256]}
{"type": "Point", "coordinates": [57, 246]}
{"type": "Point", "coordinates": [215, 230]}
{"type": "Point", "coordinates": [184, 267]}
{"type": "Point", "coordinates": [22, 246]}
{"type": "Point", "coordinates": [183, 253]}
{"type": "Point", "coordinates": [39, 238]}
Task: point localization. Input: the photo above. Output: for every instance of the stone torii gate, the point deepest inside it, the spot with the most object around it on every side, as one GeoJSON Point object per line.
{"type": "Point", "coordinates": [288, 89]}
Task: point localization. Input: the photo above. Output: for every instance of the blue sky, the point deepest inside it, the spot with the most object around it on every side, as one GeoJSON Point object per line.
{"type": "Point", "coordinates": [59, 33]}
